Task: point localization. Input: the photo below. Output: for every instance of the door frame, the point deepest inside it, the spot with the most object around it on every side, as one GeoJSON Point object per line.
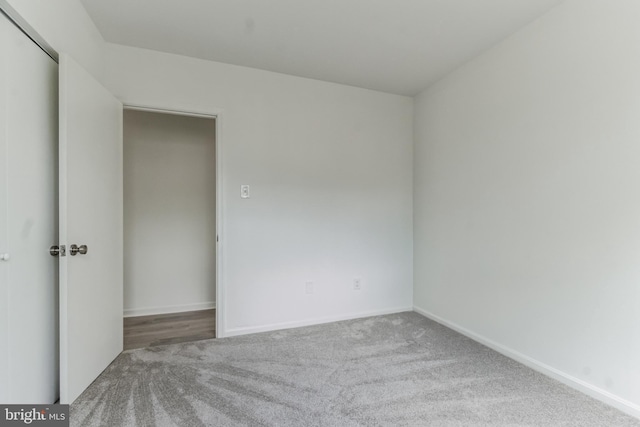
{"type": "Point", "coordinates": [216, 114]}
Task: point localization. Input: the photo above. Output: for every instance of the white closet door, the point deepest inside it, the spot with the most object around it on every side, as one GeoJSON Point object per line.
{"type": "Point", "coordinates": [28, 220]}
{"type": "Point", "coordinates": [90, 214]}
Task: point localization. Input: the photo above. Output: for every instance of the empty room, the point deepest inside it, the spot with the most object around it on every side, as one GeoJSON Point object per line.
{"type": "Point", "coordinates": [312, 213]}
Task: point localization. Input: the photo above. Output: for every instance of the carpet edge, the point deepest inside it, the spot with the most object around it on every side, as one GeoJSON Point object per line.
{"type": "Point", "coordinates": [591, 390]}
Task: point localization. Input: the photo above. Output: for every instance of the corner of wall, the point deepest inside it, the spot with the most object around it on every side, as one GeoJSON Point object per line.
{"type": "Point", "coordinates": [604, 396]}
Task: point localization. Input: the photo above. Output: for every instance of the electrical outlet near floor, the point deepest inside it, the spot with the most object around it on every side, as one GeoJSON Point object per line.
{"type": "Point", "coordinates": [308, 288]}
{"type": "Point", "coordinates": [357, 284]}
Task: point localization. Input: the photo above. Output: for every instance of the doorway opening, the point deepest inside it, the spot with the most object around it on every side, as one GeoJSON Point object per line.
{"type": "Point", "coordinates": [170, 236]}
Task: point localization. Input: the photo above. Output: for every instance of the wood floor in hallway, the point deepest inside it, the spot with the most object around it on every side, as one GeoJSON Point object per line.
{"type": "Point", "coordinates": [160, 329]}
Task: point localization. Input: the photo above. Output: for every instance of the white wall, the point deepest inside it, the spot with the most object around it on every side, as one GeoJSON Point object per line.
{"type": "Point", "coordinates": [169, 213]}
{"type": "Point", "coordinates": [331, 186]}
{"type": "Point", "coordinates": [66, 26]}
{"type": "Point", "coordinates": [330, 169]}
{"type": "Point", "coordinates": [527, 210]}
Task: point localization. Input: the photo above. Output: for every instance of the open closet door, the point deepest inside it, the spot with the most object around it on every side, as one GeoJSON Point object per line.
{"type": "Point", "coordinates": [90, 228]}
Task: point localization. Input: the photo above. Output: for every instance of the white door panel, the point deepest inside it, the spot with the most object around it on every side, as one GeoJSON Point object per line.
{"type": "Point", "coordinates": [4, 244]}
{"type": "Point", "coordinates": [28, 220]}
{"type": "Point", "coordinates": [90, 214]}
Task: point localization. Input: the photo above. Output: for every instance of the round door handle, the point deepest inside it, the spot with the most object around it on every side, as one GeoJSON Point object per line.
{"type": "Point", "coordinates": [75, 249]}
{"type": "Point", "coordinates": [4, 257]}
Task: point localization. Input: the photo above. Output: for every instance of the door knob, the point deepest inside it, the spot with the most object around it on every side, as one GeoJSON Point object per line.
{"type": "Point", "coordinates": [75, 249]}
{"type": "Point", "coordinates": [4, 257]}
{"type": "Point", "coordinates": [58, 250]}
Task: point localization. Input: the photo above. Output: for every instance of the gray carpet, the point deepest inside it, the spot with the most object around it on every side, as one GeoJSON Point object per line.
{"type": "Point", "coordinates": [394, 370]}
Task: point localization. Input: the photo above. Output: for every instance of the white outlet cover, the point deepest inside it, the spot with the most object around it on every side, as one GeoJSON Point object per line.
{"type": "Point", "coordinates": [357, 284]}
{"type": "Point", "coordinates": [308, 288]}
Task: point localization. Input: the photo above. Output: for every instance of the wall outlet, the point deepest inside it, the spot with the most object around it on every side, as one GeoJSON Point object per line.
{"type": "Point", "coordinates": [357, 284]}
{"type": "Point", "coordinates": [308, 288]}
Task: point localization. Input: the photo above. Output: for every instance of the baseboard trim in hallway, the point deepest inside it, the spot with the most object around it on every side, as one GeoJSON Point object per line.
{"type": "Point", "coordinates": [597, 393]}
{"type": "Point", "coordinates": [148, 311]}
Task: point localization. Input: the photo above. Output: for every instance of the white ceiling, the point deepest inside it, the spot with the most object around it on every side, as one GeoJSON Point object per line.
{"type": "Point", "coordinates": [396, 46]}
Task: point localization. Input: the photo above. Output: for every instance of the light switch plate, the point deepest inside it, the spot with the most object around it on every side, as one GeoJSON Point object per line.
{"type": "Point", "coordinates": [244, 191]}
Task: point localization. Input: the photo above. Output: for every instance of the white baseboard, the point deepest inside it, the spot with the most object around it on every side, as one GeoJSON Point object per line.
{"type": "Point", "coordinates": [310, 322]}
{"type": "Point", "coordinates": [573, 382]}
{"type": "Point", "coordinates": [148, 311]}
